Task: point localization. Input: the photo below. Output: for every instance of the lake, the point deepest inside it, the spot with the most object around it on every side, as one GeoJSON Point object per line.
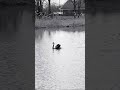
{"type": "Point", "coordinates": [62, 69]}
{"type": "Point", "coordinates": [17, 48]}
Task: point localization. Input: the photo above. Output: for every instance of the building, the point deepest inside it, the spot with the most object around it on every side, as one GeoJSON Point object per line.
{"type": "Point", "coordinates": [68, 7]}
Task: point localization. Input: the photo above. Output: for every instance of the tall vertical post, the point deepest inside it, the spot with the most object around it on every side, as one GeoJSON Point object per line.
{"type": "Point", "coordinates": [41, 6]}
{"type": "Point", "coordinates": [74, 9]}
{"type": "Point", "coordinates": [79, 5]}
{"type": "Point", "coordinates": [49, 11]}
{"type": "Point", "coordinates": [38, 6]}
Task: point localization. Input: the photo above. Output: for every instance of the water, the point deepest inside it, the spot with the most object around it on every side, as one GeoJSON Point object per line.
{"type": "Point", "coordinates": [60, 69]}
{"type": "Point", "coordinates": [17, 48]}
{"type": "Point", "coordinates": [102, 51]}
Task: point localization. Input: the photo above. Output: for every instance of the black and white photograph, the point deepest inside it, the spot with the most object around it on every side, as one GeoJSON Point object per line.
{"type": "Point", "coordinates": [59, 44]}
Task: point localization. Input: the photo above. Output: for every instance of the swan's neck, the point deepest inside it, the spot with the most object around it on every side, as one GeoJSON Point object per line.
{"type": "Point", "coordinates": [53, 46]}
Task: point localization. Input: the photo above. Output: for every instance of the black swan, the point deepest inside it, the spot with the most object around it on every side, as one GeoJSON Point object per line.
{"type": "Point", "coordinates": [58, 46]}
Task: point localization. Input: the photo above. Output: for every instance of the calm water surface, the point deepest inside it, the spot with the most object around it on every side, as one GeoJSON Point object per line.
{"type": "Point", "coordinates": [17, 48]}
{"type": "Point", "coordinates": [63, 69]}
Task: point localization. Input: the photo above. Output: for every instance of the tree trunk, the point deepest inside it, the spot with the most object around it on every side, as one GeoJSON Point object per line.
{"type": "Point", "coordinates": [41, 6]}
{"type": "Point", "coordinates": [79, 5]}
{"type": "Point", "coordinates": [74, 9]}
{"type": "Point", "coordinates": [49, 11]}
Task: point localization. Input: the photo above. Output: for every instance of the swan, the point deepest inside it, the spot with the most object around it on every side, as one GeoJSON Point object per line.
{"type": "Point", "coordinates": [58, 46]}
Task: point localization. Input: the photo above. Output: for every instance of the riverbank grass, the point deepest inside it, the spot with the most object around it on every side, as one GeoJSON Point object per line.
{"type": "Point", "coordinates": [59, 21]}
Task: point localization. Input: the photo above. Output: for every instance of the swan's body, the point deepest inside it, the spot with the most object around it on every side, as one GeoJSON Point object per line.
{"type": "Point", "coordinates": [58, 46]}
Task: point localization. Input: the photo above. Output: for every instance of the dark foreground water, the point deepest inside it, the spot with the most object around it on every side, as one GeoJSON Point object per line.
{"type": "Point", "coordinates": [17, 48]}
{"type": "Point", "coordinates": [102, 51]}
{"type": "Point", "coordinates": [63, 69]}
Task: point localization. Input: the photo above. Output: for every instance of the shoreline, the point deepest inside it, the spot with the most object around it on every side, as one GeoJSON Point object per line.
{"type": "Point", "coordinates": [59, 22]}
{"type": "Point", "coordinates": [58, 27]}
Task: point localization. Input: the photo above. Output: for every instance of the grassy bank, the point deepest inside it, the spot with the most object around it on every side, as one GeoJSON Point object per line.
{"type": "Point", "coordinates": [60, 21]}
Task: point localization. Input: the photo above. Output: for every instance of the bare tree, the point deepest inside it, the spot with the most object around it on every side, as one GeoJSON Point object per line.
{"type": "Point", "coordinates": [74, 4]}
{"type": "Point", "coordinates": [79, 5]}
{"type": "Point", "coordinates": [40, 5]}
{"type": "Point", "coordinates": [54, 7]}
{"type": "Point", "coordinates": [49, 5]}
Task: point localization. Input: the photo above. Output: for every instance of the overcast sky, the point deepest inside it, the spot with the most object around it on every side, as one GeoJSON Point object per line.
{"type": "Point", "coordinates": [57, 1]}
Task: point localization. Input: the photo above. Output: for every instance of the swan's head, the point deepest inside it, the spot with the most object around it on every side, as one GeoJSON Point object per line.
{"type": "Point", "coordinates": [53, 43]}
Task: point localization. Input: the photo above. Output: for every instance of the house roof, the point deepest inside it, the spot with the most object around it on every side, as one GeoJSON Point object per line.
{"type": "Point", "coordinates": [69, 5]}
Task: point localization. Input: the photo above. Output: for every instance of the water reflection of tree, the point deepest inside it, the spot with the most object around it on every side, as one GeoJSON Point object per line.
{"type": "Point", "coordinates": [40, 32]}
{"type": "Point", "coordinates": [11, 18]}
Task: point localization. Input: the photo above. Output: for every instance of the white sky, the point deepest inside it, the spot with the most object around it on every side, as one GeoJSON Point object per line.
{"type": "Point", "coordinates": [57, 1]}
{"type": "Point", "coordinates": [54, 1]}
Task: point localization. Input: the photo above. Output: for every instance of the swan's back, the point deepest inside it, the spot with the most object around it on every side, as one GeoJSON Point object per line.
{"type": "Point", "coordinates": [58, 46]}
